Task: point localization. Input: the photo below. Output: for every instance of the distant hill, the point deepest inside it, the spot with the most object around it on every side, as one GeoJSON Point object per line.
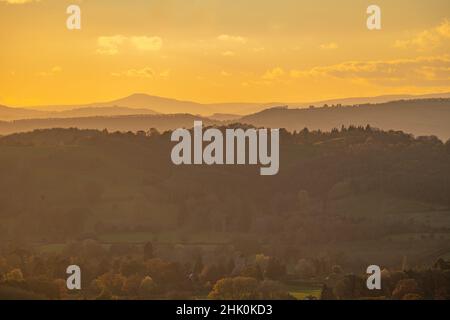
{"type": "Point", "coordinates": [167, 105]}
{"type": "Point", "coordinates": [102, 111]}
{"type": "Point", "coordinates": [141, 103]}
{"type": "Point", "coordinates": [419, 117]}
{"type": "Point", "coordinates": [159, 104]}
{"type": "Point", "coordinates": [224, 117]}
{"type": "Point", "coordinates": [173, 106]}
{"type": "Point", "coordinates": [8, 113]}
{"type": "Point", "coordinates": [114, 123]}
{"type": "Point", "coordinates": [170, 106]}
{"type": "Point", "coordinates": [377, 99]}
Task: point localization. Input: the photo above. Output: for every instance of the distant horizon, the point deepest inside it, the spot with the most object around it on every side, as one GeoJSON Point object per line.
{"type": "Point", "coordinates": [230, 102]}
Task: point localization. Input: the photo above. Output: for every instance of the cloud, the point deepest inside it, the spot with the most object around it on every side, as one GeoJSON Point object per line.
{"type": "Point", "coordinates": [18, 1]}
{"type": "Point", "coordinates": [53, 71]}
{"type": "Point", "coordinates": [273, 74]}
{"type": "Point", "coordinates": [111, 45]}
{"type": "Point", "coordinates": [165, 74]}
{"type": "Point", "coordinates": [229, 38]}
{"type": "Point", "coordinates": [329, 46]}
{"type": "Point", "coordinates": [145, 72]}
{"type": "Point", "coordinates": [146, 43]}
{"type": "Point", "coordinates": [228, 54]}
{"type": "Point", "coordinates": [420, 71]}
{"type": "Point", "coordinates": [136, 73]}
{"type": "Point", "coordinates": [427, 40]}
{"type": "Point", "coordinates": [259, 49]}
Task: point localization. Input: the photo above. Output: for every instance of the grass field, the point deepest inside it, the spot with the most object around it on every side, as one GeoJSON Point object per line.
{"type": "Point", "coordinates": [303, 294]}
{"type": "Point", "coordinates": [51, 248]}
{"type": "Point", "coordinates": [301, 291]}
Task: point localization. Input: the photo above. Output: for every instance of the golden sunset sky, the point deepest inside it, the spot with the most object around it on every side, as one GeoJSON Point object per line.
{"type": "Point", "coordinates": [221, 50]}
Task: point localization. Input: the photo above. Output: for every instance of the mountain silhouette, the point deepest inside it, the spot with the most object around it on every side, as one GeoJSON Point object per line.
{"type": "Point", "coordinates": [141, 103]}
{"type": "Point", "coordinates": [418, 117]}
{"type": "Point", "coordinates": [9, 113]}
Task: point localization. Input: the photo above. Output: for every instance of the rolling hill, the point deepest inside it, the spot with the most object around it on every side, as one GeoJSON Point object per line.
{"type": "Point", "coordinates": [139, 103]}
{"type": "Point", "coordinates": [419, 117]}
{"type": "Point", "coordinates": [102, 111]}
{"type": "Point", "coordinates": [113, 123]}
{"type": "Point", "coordinates": [9, 113]}
{"type": "Point", "coordinates": [167, 105]}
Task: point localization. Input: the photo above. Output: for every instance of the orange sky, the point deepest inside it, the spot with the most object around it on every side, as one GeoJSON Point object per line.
{"type": "Point", "coordinates": [221, 50]}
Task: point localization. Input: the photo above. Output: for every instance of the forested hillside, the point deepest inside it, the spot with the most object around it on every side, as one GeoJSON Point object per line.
{"type": "Point", "coordinates": [341, 185]}
{"type": "Point", "coordinates": [142, 227]}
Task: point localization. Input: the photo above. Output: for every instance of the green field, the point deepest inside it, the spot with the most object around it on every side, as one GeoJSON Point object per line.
{"type": "Point", "coordinates": [301, 291]}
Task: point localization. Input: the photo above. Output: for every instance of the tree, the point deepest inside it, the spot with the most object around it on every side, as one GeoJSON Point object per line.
{"type": "Point", "coordinates": [349, 287]}
{"type": "Point", "coordinates": [148, 250]}
{"type": "Point", "coordinates": [210, 273]}
{"type": "Point", "coordinates": [412, 296]}
{"type": "Point", "coordinates": [327, 293]}
{"type": "Point", "coordinates": [305, 269]}
{"type": "Point", "coordinates": [132, 285]}
{"type": "Point", "coordinates": [239, 288]}
{"type": "Point", "coordinates": [147, 287]}
{"type": "Point", "coordinates": [104, 295]}
{"type": "Point", "coordinates": [61, 287]}
{"type": "Point", "coordinates": [14, 275]}
{"type": "Point", "coordinates": [404, 288]}
{"type": "Point", "coordinates": [111, 283]}
{"type": "Point", "coordinates": [253, 271]}
{"type": "Point", "coordinates": [47, 288]}
{"type": "Point", "coordinates": [275, 269]}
